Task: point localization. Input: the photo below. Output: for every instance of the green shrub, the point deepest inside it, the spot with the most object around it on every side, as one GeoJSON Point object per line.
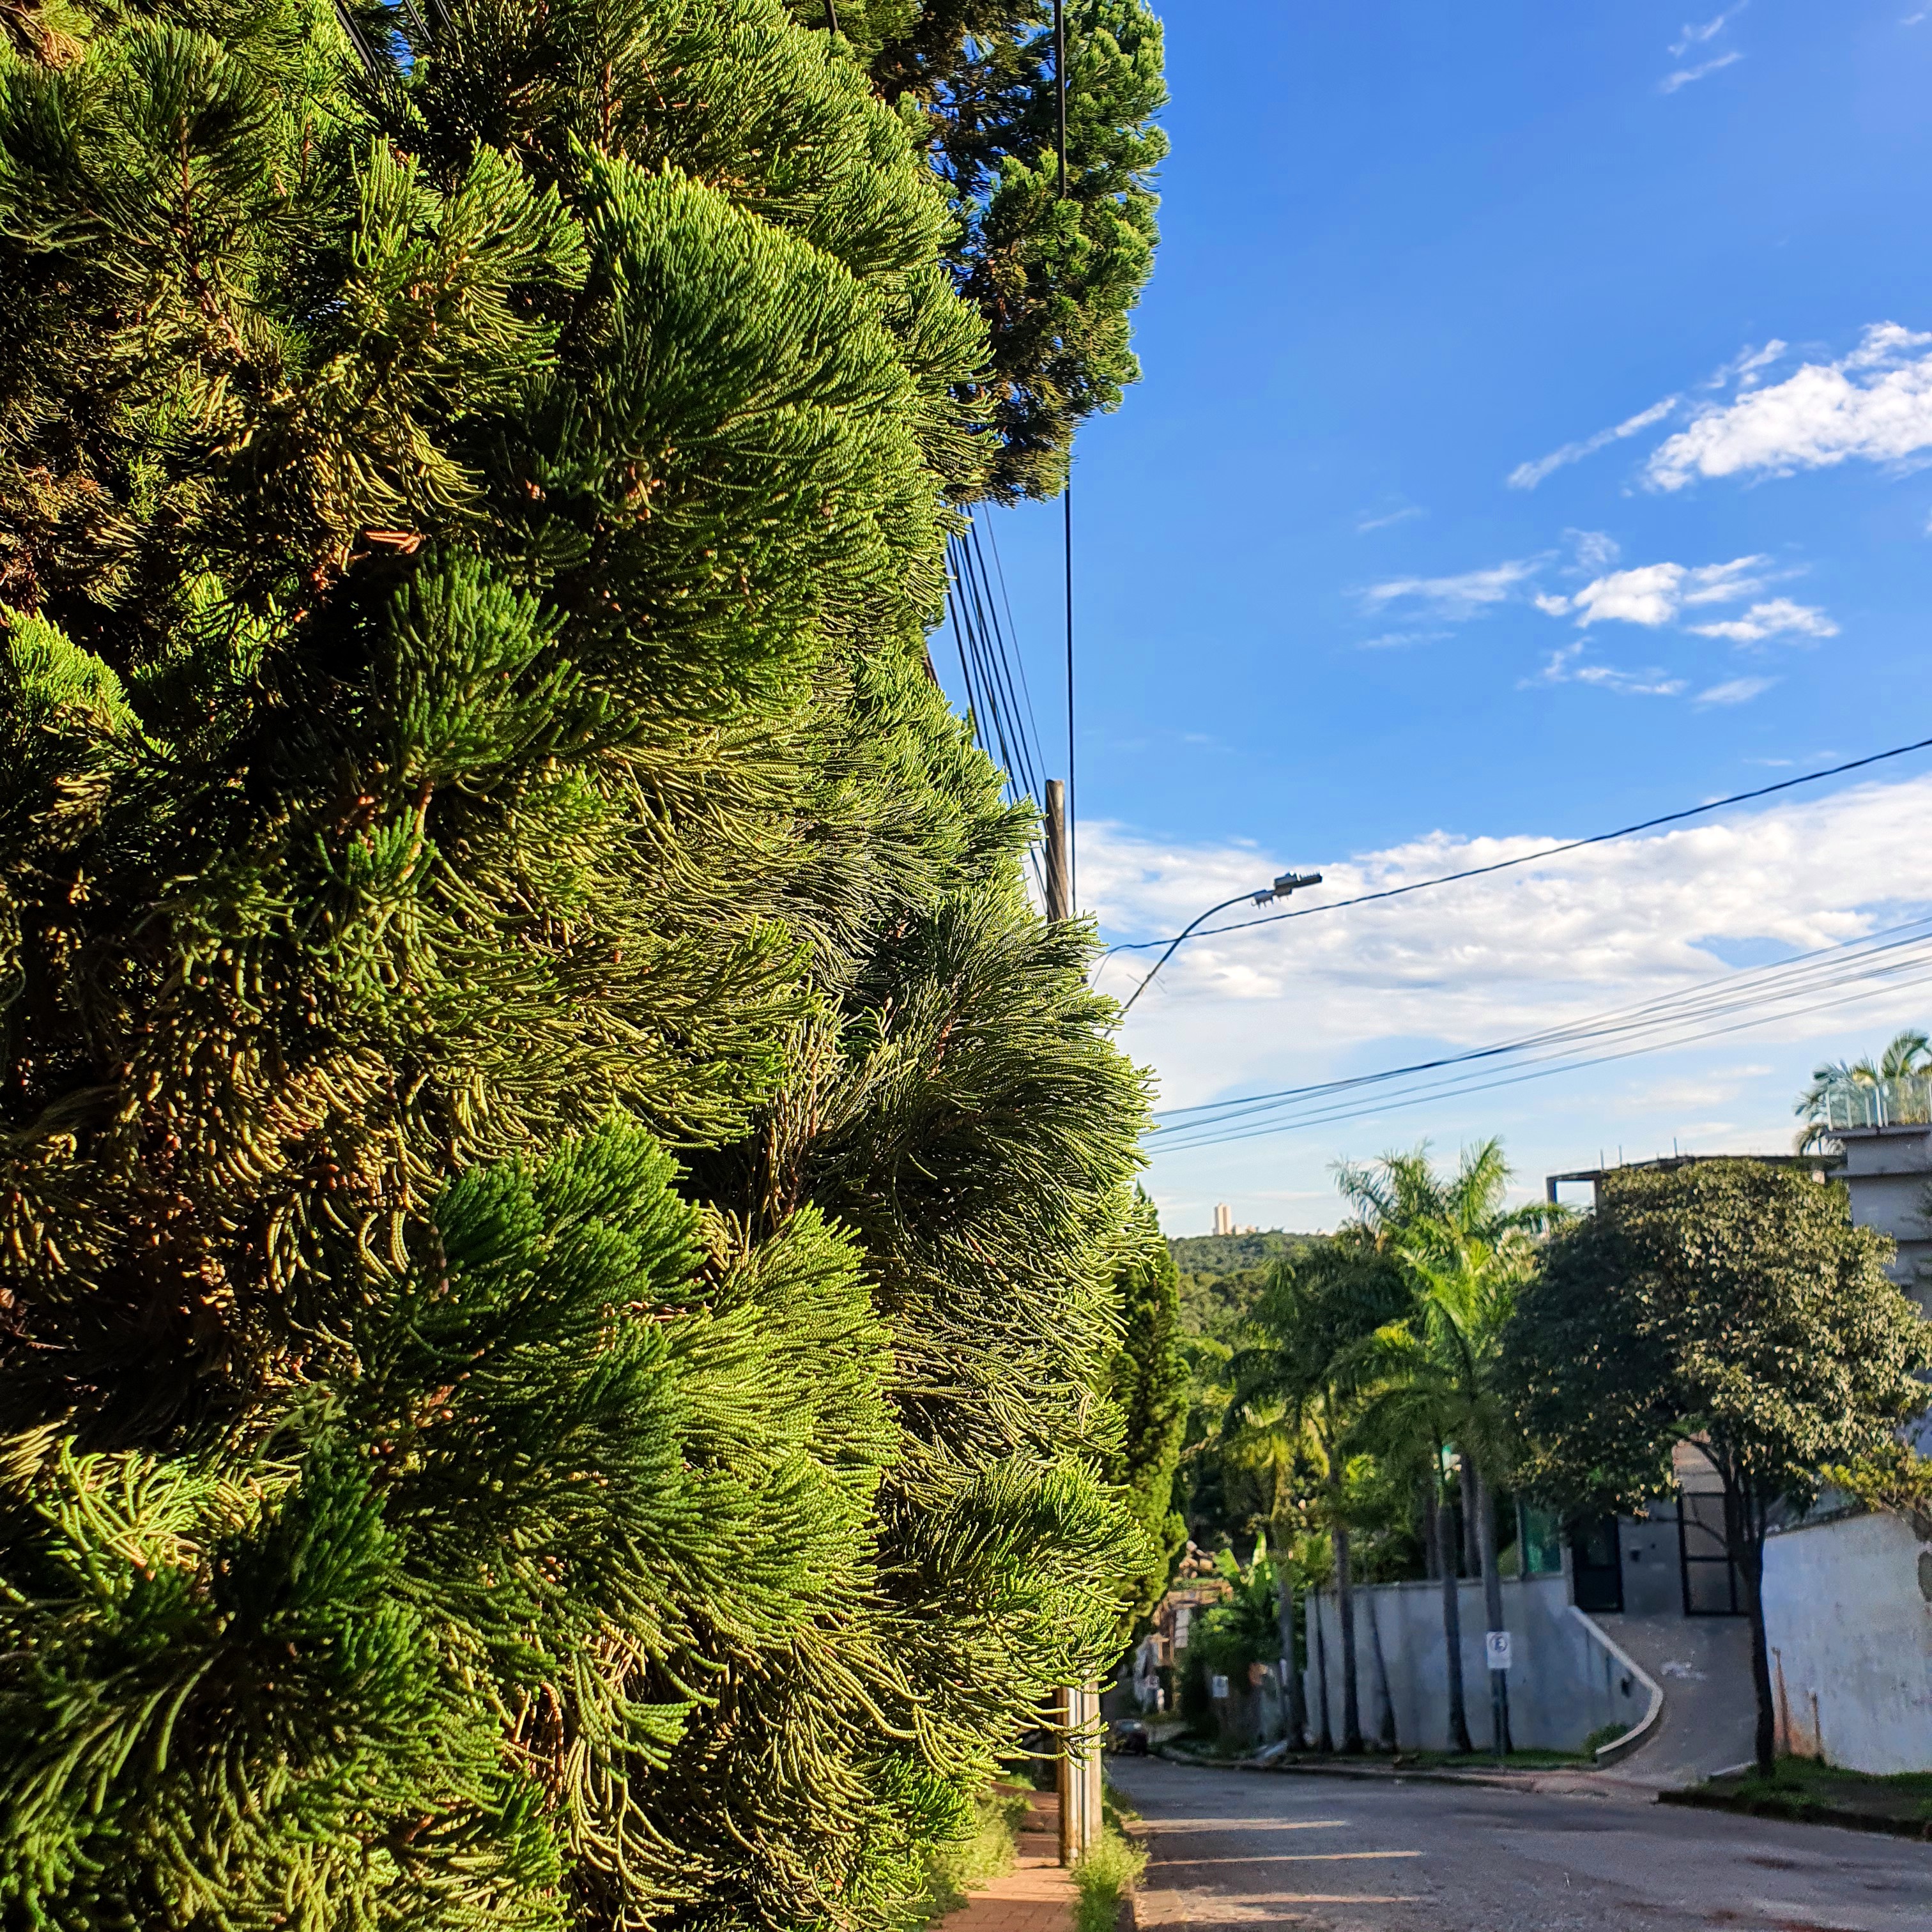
{"type": "Point", "coordinates": [1105, 1873]}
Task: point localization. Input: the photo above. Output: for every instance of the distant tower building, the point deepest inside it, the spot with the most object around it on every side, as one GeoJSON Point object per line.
{"type": "Point", "coordinates": [1224, 1218]}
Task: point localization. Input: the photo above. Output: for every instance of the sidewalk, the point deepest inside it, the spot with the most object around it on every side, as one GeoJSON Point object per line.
{"type": "Point", "coordinates": [1037, 1895]}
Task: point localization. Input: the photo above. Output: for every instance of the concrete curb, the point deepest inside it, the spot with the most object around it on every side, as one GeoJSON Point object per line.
{"type": "Point", "coordinates": [1541, 1780]}
{"type": "Point", "coordinates": [1918, 1829]}
{"type": "Point", "coordinates": [1640, 1733]}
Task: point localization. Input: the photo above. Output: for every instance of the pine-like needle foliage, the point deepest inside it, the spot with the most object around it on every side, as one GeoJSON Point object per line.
{"type": "Point", "coordinates": [468, 522]}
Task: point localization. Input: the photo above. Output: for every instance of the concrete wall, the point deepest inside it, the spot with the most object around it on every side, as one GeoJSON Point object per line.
{"type": "Point", "coordinates": [1886, 1173]}
{"type": "Point", "coordinates": [1563, 1685]}
{"type": "Point", "coordinates": [1848, 1615]}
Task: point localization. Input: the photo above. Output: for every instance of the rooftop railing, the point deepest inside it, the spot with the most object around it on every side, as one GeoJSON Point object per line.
{"type": "Point", "coordinates": [1882, 1103]}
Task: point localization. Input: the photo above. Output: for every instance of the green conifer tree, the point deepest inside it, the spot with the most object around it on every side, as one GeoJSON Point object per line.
{"type": "Point", "coordinates": [1055, 277]}
{"type": "Point", "coordinates": [1150, 1384]}
{"type": "Point", "coordinates": [473, 490]}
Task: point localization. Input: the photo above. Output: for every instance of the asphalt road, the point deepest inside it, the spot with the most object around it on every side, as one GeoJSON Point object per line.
{"type": "Point", "coordinates": [1235, 1849]}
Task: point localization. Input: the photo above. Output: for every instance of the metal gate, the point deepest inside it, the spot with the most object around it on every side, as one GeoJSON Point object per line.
{"type": "Point", "coordinates": [1596, 1565]}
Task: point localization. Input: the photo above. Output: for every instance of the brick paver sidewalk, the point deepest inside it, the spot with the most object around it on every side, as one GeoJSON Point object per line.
{"type": "Point", "coordinates": [1037, 1895]}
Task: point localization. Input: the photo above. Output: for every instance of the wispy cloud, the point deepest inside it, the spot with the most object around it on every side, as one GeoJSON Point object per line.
{"type": "Point", "coordinates": [1455, 599]}
{"type": "Point", "coordinates": [1736, 690]}
{"type": "Point", "coordinates": [1747, 366]}
{"type": "Point", "coordinates": [1779, 617]}
{"type": "Point", "coordinates": [1874, 404]}
{"type": "Point", "coordinates": [1568, 665]}
{"type": "Point", "coordinates": [1698, 37]}
{"type": "Point", "coordinates": [1595, 548]}
{"type": "Point", "coordinates": [1657, 593]}
{"type": "Point", "coordinates": [1683, 75]}
{"type": "Point", "coordinates": [1527, 475]}
{"type": "Point", "coordinates": [1690, 39]}
{"type": "Point", "coordinates": [1392, 640]}
{"type": "Point", "coordinates": [1383, 519]}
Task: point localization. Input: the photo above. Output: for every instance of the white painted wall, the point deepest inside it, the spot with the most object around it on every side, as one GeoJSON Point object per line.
{"type": "Point", "coordinates": [1564, 1683]}
{"type": "Point", "coordinates": [1848, 1615]}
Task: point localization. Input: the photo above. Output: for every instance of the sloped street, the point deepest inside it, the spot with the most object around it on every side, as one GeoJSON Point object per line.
{"type": "Point", "coordinates": [1235, 1849]}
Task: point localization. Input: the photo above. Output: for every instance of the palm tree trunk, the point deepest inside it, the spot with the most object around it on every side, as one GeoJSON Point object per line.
{"type": "Point", "coordinates": [1452, 1626]}
{"type": "Point", "coordinates": [1328, 1741]}
{"type": "Point", "coordinates": [1472, 1548]}
{"type": "Point", "coordinates": [1432, 1541]}
{"type": "Point", "coordinates": [1293, 1691]}
{"type": "Point", "coordinates": [1492, 1603]}
{"type": "Point", "coordinates": [1345, 1608]}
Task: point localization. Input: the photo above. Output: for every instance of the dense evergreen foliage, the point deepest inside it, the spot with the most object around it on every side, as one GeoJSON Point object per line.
{"type": "Point", "coordinates": [1055, 278]}
{"type": "Point", "coordinates": [467, 529]}
{"type": "Point", "coordinates": [1150, 1388]}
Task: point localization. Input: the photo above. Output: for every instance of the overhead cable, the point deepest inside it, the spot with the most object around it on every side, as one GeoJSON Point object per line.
{"type": "Point", "coordinates": [1811, 982]}
{"type": "Point", "coordinates": [1542, 852]}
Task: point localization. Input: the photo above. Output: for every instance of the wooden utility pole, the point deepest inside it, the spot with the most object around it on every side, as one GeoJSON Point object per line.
{"type": "Point", "coordinates": [1059, 885]}
{"type": "Point", "coordinates": [1076, 1706]}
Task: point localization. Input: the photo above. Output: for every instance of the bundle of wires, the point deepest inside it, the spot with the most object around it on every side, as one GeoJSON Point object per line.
{"type": "Point", "coordinates": [1798, 987]}
{"type": "Point", "coordinates": [999, 706]}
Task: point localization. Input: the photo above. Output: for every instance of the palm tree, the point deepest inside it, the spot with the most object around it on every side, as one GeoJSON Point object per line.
{"type": "Point", "coordinates": [1272, 1442]}
{"type": "Point", "coordinates": [1401, 1192]}
{"type": "Point", "coordinates": [1447, 1356]}
{"type": "Point", "coordinates": [1306, 1372]}
{"type": "Point", "coordinates": [1463, 1252]}
{"type": "Point", "coordinates": [1908, 1053]}
{"type": "Point", "coordinates": [1408, 1423]}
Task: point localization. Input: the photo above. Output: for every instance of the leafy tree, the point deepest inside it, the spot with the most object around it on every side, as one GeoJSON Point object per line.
{"type": "Point", "coordinates": [468, 523]}
{"type": "Point", "coordinates": [1149, 1385]}
{"type": "Point", "coordinates": [1908, 1053]}
{"type": "Point", "coordinates": [1728, 1303]}
{"type": "Point", "coordinates": [1055, 279]}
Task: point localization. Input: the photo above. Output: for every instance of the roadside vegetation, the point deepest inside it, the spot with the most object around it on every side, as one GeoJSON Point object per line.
{"type": "Point", "coordinates": [1375, 1404]}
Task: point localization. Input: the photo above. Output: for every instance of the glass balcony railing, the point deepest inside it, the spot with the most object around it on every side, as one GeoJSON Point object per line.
{"type": "Point", "coordinates": [1881, 1103]}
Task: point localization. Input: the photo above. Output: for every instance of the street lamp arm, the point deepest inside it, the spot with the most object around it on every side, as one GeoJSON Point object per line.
{"type": "Point", "coordinates": [1280, 889]}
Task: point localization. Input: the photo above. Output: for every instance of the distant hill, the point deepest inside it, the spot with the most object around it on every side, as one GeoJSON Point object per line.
{"type": "Point", "coordinates": [1222, 1274]}
{"type": "Point", "coordinates": [1224, 1254]}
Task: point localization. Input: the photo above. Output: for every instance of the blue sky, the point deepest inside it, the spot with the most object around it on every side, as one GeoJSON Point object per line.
{"type": "Point", "coordinates": [1340, 605]}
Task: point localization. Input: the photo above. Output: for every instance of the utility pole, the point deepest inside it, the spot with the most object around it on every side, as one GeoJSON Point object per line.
{"type": "Point", "coordinates": [1076, 1707]}
{"type": "Point", "coordinates": [1059, 883]}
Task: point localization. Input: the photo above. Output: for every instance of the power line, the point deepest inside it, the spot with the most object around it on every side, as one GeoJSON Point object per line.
{"type": "Point", "coordinates": [1879, 962]}
{"type": "Point", "coordinates": [1544, 852]}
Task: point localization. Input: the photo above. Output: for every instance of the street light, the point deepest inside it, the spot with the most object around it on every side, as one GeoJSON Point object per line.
{"type": "Point", "coordinates": [1288, 883]}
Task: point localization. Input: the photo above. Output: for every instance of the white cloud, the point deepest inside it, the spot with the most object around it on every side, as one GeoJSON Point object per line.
{"type": "Point", "coordinates": [1365, 524]}
{"type": "Point", "coordinates": [1656, 593]}
{"type": "Point", "coordinates": [1736, 690]}
{"type": "Point", "coordinates": [1697, 37]}
{"type": "Point", "coordinates": [1684, 75]}
{"type": "Point", "coordinates": [1875, 403]}
{"type": "Point", "coordinates": [1777, 617]}
{"type": "Point", "coordinates": [1527, 475]}
{"type": "Point", "coordinates": [1746, 367]}
{"type": "Point", "coordinates": [1491, 958]}
{"type": "Point", "coordinates": [1455, 599]}
{"type": "Point", "coordinates": [1568, 665]}
{"type": "Point", "coordinates": [1595, 548]}
{"type": "Point", "coordinates": [1393, 640]}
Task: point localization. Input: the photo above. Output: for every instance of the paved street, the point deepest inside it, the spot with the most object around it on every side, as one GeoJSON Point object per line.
{"type": "Point", "coordinates": [1235, 1849]}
